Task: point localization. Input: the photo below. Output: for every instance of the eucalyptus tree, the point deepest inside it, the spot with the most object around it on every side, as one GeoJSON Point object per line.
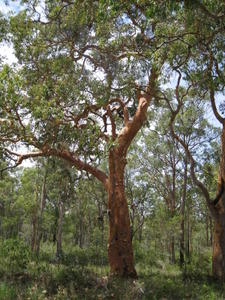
{"type": "Point", "coordinates": [197, 179]}
{"type": "Point", "coordinates": [205, 19]}
{"type": "Point", "coordinates": [163, 164]}
{"type": "Point", "coordinates": [87, 73]}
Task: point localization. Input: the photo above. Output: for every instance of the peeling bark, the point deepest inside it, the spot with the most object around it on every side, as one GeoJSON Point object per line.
{"type": "Point", "coordinates": [218, 258]}
{"type": "Point", "coordinates": [120, 250]}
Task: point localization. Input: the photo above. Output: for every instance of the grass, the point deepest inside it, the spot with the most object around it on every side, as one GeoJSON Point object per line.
{"type": "Point", "coordinates": [7, 292]}
{"type": "Point", "coordinates": [62, 282]}
{"type": "Point", "coordinates": [78, 277]}
{"type": "Point", "coordinates": [171, 283]}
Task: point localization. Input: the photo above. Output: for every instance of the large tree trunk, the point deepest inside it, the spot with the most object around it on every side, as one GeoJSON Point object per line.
{"type": "Point", "coordinates": [218, 258]}
{"type": "Point", "coordinates": [120, 251]}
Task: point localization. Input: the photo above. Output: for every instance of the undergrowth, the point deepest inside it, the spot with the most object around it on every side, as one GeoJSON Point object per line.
{"type": "Point", "coordinates": [76, 276]}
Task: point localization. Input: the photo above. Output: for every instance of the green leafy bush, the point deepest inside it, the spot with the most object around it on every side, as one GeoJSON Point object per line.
{"type": "Point", "coordinates": [85, 256]}
{"type": "Point", "coordinates": [14, 256]}
{"type": "Point", "coordinates": [144, 255]}
{"type": "Point", "coordinates": [199, 266]}
{"type": "Point", "coordinates": [7, 292]}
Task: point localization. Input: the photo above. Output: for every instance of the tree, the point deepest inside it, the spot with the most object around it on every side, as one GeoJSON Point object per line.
{"type": "Point", "coordinates": [207, 19]}
{"type": "Point", "coordinates": [162, 163]}
{"type": "Point", "coordinates": [212, 204]}
{"type": "Point", "coordinates": [56, 103]}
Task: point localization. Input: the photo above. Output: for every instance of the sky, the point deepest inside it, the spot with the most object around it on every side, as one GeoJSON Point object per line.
{"type": "Point", "coordinates": [6, 50]}
{"type": "Point", "coordinates": [6, 8]}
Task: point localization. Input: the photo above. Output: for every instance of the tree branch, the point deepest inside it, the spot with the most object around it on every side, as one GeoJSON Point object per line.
{"type": "Point", "coordinates": [80, 165]}
{"type": "Point", "coordinates": [212, 92]}
{"type": "Point", "coordinates": [130, 130]}
{"type": "Point", "coordinates": [208, 13]}
{"type": "Point", "coordinates": [196, 181]}
{"type": "Point", "coordinates": [64, 154]}
{"type": "Point", "coordinates": [124, 108]}
{"type": "Point", "coordinates": [113, 124]}
{"type": "Point", "coordinates": [214, 108]}
{"type": "Point", "coordinates": [22, 157]}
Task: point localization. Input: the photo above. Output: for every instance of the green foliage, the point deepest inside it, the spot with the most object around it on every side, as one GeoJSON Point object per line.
{"type": "Point", "coordinates": [14, 256]}
{"type": "Point", "coordinates": [145, 257]}
{"type": "Point", "coordinates": [199, 266]}
{"type": "Point", "coordinates": [7, 291]}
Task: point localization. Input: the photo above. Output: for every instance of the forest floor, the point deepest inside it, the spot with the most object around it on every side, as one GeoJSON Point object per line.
{"type": "Point", "coordinates": [82, 273]}
{"type": "Point", "coordinates": [60, 281]}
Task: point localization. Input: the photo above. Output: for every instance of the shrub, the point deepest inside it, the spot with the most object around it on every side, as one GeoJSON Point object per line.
{"type": "Point", "coordinates": [7, 292]}
{"type": "Point", "coordinates": [14, 256]}
{"type": "Point", "coordinates": [199, 266]}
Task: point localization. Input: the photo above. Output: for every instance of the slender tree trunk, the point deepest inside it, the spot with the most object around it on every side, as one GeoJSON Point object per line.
{"type": "Point", "coordinates": [34, 233]}
{"type": "Point", "coordinates": [182, 211]}
{"type": "Point", "coordinates": [54, 235]}
{"type": "Point", "coordinates": [182, 235]}
{"type": "Point", "coordinates": [173, 258]}
{"type": "Point", "coordinates": [188, 232]}
{"type": "Point", "coordinates": [34, 221]}
{"type": "Point", "coordinates": [42, 207]}
{"type": "Point", "coordinates": [188, 241]}
{"type": "Point", "coordinates": [59, 230]}
{"type": "Point", "coordinates": [80, 232]}
{"type": "Point", "coordinates": [120, 251]}
{"type": "Point", "coordinates": [140, 234]}
{"type": "Point", "coordinates": [172, 249]}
